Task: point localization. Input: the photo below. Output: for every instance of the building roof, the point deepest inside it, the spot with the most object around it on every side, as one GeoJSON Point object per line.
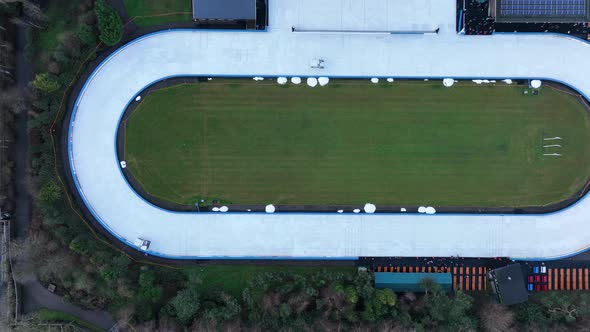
{"type": "Point", "coordinates": [510, 285]}
{"type": "Point", "coordinates": [410, 282]}
{"type": "Point", "coordinates": [224, 9]}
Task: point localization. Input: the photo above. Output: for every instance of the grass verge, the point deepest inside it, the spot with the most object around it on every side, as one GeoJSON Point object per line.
{"type": "Point", "coordinates": [48, 315]}
{"type": "Point", "coordinates": [155, 12]}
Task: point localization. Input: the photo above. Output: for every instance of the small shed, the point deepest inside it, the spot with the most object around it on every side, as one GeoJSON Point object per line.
{"type": "Point", "coordinates": [410, 282]}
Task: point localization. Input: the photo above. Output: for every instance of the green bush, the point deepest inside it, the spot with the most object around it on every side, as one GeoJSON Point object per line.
{"type": "Point", "coordinates": [110, 24]}
{"type": "Point", "coordinates": [46, 83]}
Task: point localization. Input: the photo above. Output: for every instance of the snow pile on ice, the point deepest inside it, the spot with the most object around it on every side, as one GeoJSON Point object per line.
{"type": "Point", "coordinates": [138, 98]}
{"type": "Point", "coordinates": [403, 209]}
{"type": "Point", "coordinates": [535, 84]}
{"type": "Point", "coordinates": [258, 78]}
{"type": "Point", "coordinates": [215, 209]}
{"type": "Point", "coordinates": [430, 210]}
{"type": "Point", "coordinates": [223, 209]}
{"type": "Point", "coordinates": [282, 80]}
{"type": "Point", "coordinates": [340, 211]}
{"type": "Point", "coordinates": [374, 80]}
{"type": "Point", "coordinates": [296, 80]}
{"type": "Point", "coordinates": [323, 81]}
{"type": "Point", "coordinates": [356, 210]}
{"type": "Point", "coordinates": [312, 81]}
{"type": "Point", "coordinates": [422, 209]}
{"type": "Point", "coordinates": [370, 208]}
{"type": "Point", "coordinates": [508, 81]}
{"type": "Point", "coordinates": [390, 80]}
{"type": "Point", "coordinates": [269, 208]}
{"type": "Point", "coordinates": [448, 82]}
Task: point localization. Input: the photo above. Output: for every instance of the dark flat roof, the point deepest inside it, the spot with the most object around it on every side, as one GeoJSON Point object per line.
{"type": "Point", "coordinates": [224, 9]}
{"type": "Point", "coordinates": [510, 284]}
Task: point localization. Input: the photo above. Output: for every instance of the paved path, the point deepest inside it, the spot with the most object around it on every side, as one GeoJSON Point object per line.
{"type": "Point", "coordinates": [280, 52]}
{"type": "Point", "coordinates": [23, 77]}
{"type": "Point", "coordinates": [35, 296]}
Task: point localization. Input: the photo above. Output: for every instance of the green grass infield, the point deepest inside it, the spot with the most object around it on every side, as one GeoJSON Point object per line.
{"type": "Point", "coordinates": [351, 142]}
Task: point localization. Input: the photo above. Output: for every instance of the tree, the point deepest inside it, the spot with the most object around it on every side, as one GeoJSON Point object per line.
{"type": "Point", "coordinates": [110, 24]}
{"type": "Point", "coordinates": [442, 312]}
{"type": "Point", "coordinates": [566, 307]}
{"type": "Point", "coordinates": [45, 83]}
{"type": "Point", "coordinates": [496, 317]}
{"type": "Point", "coordinates": [148, 288]}
{"type": "Point", "coordinates": [185, 305]}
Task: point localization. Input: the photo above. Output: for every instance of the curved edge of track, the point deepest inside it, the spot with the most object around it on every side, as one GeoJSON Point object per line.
{"type": "Point", "coordinates": [156, 257]}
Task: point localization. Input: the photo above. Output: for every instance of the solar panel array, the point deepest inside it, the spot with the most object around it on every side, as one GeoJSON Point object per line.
{"type": "Point", "coordinates": [543, 7]}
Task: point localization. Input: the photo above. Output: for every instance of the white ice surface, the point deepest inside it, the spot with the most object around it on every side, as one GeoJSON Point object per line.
{"type": "Point", "coordinates": [279, 52]}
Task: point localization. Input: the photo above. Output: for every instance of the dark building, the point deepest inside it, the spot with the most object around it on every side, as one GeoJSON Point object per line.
{"type": "Point", "coordinates": [509, 285]}
{"type": "Point", "coordinates": [247, 14]}
{"type": "Point", "coordinates": [540, 11]}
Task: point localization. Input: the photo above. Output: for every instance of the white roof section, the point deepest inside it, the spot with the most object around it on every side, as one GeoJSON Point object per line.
{"type": "Point", "coordinates": [279, 52]}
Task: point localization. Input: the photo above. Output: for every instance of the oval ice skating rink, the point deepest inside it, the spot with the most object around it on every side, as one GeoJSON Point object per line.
{"type": "Point", "coordinates": [280, 52]}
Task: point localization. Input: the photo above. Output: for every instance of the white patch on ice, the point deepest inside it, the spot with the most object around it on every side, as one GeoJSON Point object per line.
{"type": "Point", "coordinates": [535, 84]}
{"type": "Point", "coordinates": [312, 81]}
{"type": "Point", "coordinates": [508, 81]}
{"type": "Point", "coordinates": [422, 209]}
{"type": "Point", "coordinates": [269, 208]}
{"type": "Point", "coordinates": [370, 208]}
{"type": "Point", "coordinates": [323, 81]}
{"type": "Point", "coordinates": [340, 211]}
{"type": "Point", "coordinates": [138, 98]}
{"type": "Point", "coordinates": [282, 80]}
{"type": "Point", "coordinates": [390, 80]}
{"type": "Point", "coordinates": [356, 210]}
{"type": "Point", "coordinates": [374, 80]}
{"type": "Point", "coordinates": [223, 209]}
{"type": "Point", "coordinates": [403, 209]}
{"type": "Point", "coordinates": [215, 209]}
{"type": "Point", "coordinates": [430, 210]}
{"type": "Point", "coordinates": [448, 82]}
{"type": "Point", "coordinates": [296, 80]}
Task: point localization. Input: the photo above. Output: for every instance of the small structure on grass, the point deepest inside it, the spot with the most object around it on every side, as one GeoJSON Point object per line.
{"type": "Point", "coordinates": [370, 208]}
{"type": "Point", "coordinates": [312, 81]}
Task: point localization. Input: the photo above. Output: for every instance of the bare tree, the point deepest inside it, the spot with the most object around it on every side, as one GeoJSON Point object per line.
{"type": "Point", "coordinates": [496, 317]}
